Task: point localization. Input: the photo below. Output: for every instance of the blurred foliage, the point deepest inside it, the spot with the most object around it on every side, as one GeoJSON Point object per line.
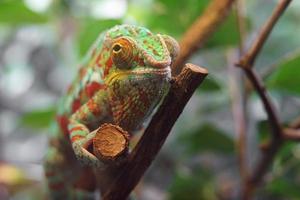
{"type": "Point", "coordinates": [194, 186]}
{"type": "Point", "coordinates": [286, 77]}
{"type": "Point", "coordinates": [209, 85]}
{"type": "Point", "coordinates": [168, 17]}
{"type": "Point", "coordinates": [14, 12]}
{"type": "Point", "coordinates": [160, 17]}
{"type": "Point", "coordinates": [207, 138]}
{"type": "Point", "coordinates": [284, 188]}
{"type": "Point", "coordinates": [38, 119]}
{"type": "Point", "coordinates": [13, 178]}
{"type": "Point", "coordinates": [90, 29]}
{"type": "Point", "coordinates": [285, 181]}
{"type": "Point", "coordinates": [10, 175]}
{"type": "Point", "coordinates": [227, 33]}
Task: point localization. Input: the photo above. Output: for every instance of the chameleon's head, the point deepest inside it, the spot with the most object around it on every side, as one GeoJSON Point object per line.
{"type": "Point", "coordinates": [137, 53]}
{"type": "Point", "coordinates": [139, 72]}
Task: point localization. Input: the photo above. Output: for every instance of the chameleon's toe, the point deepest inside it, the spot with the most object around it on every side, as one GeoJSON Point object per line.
{"type": "Point", "coordinates": [85, 157]}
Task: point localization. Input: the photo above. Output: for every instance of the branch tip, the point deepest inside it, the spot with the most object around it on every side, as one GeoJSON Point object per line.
{"type": "Point", "coordinates": [111, 144]}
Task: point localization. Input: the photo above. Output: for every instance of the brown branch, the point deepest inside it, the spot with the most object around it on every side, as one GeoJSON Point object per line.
{"type": "Point", "coordinates": [268, 105]}
{"type": "Point", "coordinates": [201, 30]}
{"type": "Point", "coordinates": [246, 63]}
{"type": "Point", "coordinates": [295, 123]}
{"type": "Point", "coordinates": [239, 98]}
{"type": "Point", "coordinates": [291, 134]}
{"type": "Point", "coordinates": [249, 58]}
{"type": "Point", "coordinates": [156, 133]}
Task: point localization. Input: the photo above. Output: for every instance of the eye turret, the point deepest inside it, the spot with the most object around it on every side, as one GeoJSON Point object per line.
{"type": "Point", "coordinates": [122, 53]}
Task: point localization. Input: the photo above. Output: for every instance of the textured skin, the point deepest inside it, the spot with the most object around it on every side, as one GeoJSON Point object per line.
{"type": "Point", "coordinates": [122, 78]}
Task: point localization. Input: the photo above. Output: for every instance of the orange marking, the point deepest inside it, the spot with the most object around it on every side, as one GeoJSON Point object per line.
{"type": "Point", "coordinates": [76, 137]}
{"type": "Point", "coordinates": [98, 60]}
{"type": "Point", "coordinates": [94, 107]}
{"type": "Point", "coordinates": [77, 128]}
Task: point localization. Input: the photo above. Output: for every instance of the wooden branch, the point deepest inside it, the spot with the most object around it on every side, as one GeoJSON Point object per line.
{"type": "Point", "coordinates": [291, 134]}
{"type": "Point", "coordinates": [201, 30]}
{"type": "Point", "coordinates": [249, 58]}
{"type": "Point", "coordinates": [295, 123]}
{"type": "Point", "coordinates": [156, 133]}
{"type": "Point", "coordinates": [246, 63]}
{"type": "Point", "coordinates": [268, 105]}
{"type": "Point", "coordinates": [239, 97]}
{"type": "Point", "coordinates": [111, 144]}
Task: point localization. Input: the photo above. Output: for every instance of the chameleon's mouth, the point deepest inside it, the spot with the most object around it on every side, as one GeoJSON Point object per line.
{"type": "Point", "coordinates": [166, 71]}
{"type": "Point", "coordinates": [161, 71]}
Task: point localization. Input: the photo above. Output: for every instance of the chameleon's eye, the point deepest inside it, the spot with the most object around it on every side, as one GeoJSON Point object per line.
{"type": "Point", "coordinates": [122, 53]}
{"type": "Point", "coordinates": [117, 47]}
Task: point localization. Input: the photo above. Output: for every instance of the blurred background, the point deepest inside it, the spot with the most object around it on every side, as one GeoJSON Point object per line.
{"type": "Point", "coordinates": [41, 42]}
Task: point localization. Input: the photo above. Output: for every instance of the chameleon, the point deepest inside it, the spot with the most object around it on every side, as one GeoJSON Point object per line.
{"type": "Point", "coordinates": [122, 78]}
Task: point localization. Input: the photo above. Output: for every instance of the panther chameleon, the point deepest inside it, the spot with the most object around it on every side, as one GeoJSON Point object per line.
{"type": "Point", "coordinates": [123, 77]}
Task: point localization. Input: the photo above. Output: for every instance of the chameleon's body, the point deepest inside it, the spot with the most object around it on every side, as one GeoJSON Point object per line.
{"type": "Point", "coordinates": [122, 78]}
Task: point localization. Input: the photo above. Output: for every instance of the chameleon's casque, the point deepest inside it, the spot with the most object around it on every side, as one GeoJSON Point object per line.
{"type": "Point", "coordinates": [121, 79]}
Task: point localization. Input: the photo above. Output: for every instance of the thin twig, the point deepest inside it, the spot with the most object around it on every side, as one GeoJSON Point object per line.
{"type": "Point", "coordinates": [291, 134]}
{"type": "Point", "coordinates": [201, 30]}
{"type": "Point", "coordinates": [239, 99]}
{"type": "Point", "coordinates": [246, 63]}
{"type": "Point", "coordinates": [249, 58]}
{"type": "Point", "coordinates": [268, 105]}
{"type": "Point", "coordinates": [156, 133]}
{"type": "Point", "coordinates": [276, 141]}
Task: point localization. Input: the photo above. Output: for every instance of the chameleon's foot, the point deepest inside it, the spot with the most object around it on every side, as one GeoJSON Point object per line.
{"type": "Point", "coordinates": [83, 155]}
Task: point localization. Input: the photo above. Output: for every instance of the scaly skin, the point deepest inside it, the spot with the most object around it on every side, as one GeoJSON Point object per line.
{"type": "Point", "coordinates": [121, 80]}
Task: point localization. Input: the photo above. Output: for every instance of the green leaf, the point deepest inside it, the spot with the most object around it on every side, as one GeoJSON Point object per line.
{"type": "Point", "coordinates": [89, 31]}
{"type": "Point", "coordinates": [168, 17]}
{"type": "Point", "coordinates": [209, 85]}
{"type": "Point", "coordinates": [286, 78]}
{"type": "Point", "coordinates": [14, 12]}
{"type": "Point", "coordinates": [207, 138]}
{"type": "Point", "coordinates": [198, 185]}
{"type": "Point", "coordinates": [38, 119]}
{"type": "Point", "coordinates": [284, 188]}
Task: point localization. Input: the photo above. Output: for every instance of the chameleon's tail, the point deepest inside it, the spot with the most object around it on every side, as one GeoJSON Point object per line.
{"type": "Point", "coordinates": [62, 170]}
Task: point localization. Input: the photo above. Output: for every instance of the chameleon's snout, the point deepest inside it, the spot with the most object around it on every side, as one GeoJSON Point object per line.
{"type": "Point", "coordinates": [162, 54]}
{"type": "Point", "coordinates": [172, 46]}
